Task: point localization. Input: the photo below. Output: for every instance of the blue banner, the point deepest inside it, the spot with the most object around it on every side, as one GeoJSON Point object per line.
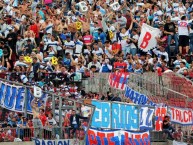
{"type": "Point", "coordinates": [146, 116]}
{"type": "Point", "coordinates": [138, 98]}
{"type": "Point", "coordinates": [13, 98]}
{"type": "Point", "coordinates": [115, 116]}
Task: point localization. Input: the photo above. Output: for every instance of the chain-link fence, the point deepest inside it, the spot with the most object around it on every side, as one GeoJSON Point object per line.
{"type": "Point", "coordinates": [159, 89]}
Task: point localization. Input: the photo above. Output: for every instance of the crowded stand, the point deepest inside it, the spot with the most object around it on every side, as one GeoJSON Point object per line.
{"type": "Point", "coordinates": [54, 44]}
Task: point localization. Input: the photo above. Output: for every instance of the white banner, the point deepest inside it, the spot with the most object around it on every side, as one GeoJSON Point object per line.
{"type": "Point", "coordinates": [179, 143]}
{"type": "Point", "coordinates": [57, 142]}
{"type": "Point", "coordinates": [182, 116]}
{"type": "Point", "coordinates": [147, 39]}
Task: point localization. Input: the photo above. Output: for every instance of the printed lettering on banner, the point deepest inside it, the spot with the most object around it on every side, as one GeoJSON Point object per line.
{"type": "Point", "coordinates": [147, 39]}
{"type": "Point", "coordinates": [115, 115]}
{"type": "Point", "coordinates": [118, 137]}
{"type": "Point", "coordinates": [13, 98]}
{"type": "Point", "coordinates": [124, 117]}
{"type": "Point", "coordinates": [181, 115]}
{"type": "Point", "coordinates": [102, 114]}
{"type": "Point", "coordinates": [160, 113]}
{"type": "Point", "coordinates": [179, 143]}
{"type": "Point", "coordinates": [135, 96]}
{"type": "Point", "coordinates": [146, 116]}
{"type": "Point", "coordinates": [57, 142]}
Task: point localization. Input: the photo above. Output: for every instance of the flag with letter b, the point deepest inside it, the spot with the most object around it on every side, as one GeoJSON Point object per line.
{"type": "Point", "coordinates": [147, 39]}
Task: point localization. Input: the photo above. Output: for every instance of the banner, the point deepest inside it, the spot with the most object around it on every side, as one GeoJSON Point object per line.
{"type": "Point", "coordinates": [115, 116]}
{"type": "Point", "coordinates": [179, 143]}
{"type": "Point", "coordinates": [181, 115]}
{"type": "Point", "coordinates": [160, 113]}
{"type": "Point", "coordinates": [57, 142]}
{"type": "Point", "coordinates": [146, 116]}
{"type": "Point", "coordinates": [13, 98]}
{"type": "Point", "coordinates": [147, 39]}
{"type": "Point", "coordinates": [118, 80]}
{"type": "Point", "coordinates": [118, 137]}
{"type": "Point", "coordinates": [135, 96]}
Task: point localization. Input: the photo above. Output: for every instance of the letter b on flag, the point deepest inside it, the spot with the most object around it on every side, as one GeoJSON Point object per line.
{"type": "Point", "coordinates": [145, 41]}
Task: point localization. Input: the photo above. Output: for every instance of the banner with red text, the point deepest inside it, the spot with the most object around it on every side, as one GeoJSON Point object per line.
{"type": "Point", "coordinates": [160, 113]}
{"type": "Point", "coordinates": [181, 115]}
{"type": "Point", "coordinates": [118, 137]}
{"type": "Point", "coordinates": [147, 38]}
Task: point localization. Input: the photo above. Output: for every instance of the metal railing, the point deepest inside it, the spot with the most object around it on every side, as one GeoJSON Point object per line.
{"type": "Point", "coordinates": [29, 133]}
{"type": "Point", "coordinates": [158, 89]}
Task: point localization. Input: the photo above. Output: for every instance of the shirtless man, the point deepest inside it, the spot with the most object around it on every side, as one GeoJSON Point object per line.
{"type": "Point", "coordinates": [37, 124]}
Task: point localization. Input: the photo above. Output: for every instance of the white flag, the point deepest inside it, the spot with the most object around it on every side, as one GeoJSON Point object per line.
{"type": "Point", "coordinates": [147, 39]}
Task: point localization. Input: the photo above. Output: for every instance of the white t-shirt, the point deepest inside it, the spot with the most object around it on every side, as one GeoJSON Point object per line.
{"type": "Point", "coordinates": [124, 38]}
{"type": "Point", "coordinates": [108, 53]}
{"type": "Point", "coordinates": [70, 45]}
{"type": "Point", "coordinates": [98, 52]}
{"type": "Point", "coordinates": [79, 45]}
{"type": "Point", "coordinates": [160, 53]}
{"type": "Point", "coordinates": [182, 9]}
{"type": "Point", "coordinates": [136, 37]}
{"type": "Point", "coordinates": [112, 28]}
{"type": "Point", "coordinates": [51, 121]}
{"type": "Point", "coordinates": [175, 6]}
{"type": "Point", "coordinates": [183, 28]}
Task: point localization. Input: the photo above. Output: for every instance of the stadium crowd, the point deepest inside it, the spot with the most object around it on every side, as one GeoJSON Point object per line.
{"type": "Point", "coordinates": [49, 43]}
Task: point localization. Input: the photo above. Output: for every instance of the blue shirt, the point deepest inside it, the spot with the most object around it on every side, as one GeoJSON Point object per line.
{"type": "Point", "coordinates": [41, 13]}
{"type": "Point", "coordinates": [67, 62]}
{"type": "Point", "coordinates": [102, 37]}
{"type": "Point", "coordinates": [130, 68]}
{"type": "Point", "coordinates": [105, 68]}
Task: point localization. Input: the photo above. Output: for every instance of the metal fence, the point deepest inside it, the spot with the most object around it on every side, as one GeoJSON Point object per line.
{"type": "Point", "coordinates": [158, 89]}
{"type": "Point", "coordinates": [60, 108]}
{"type": "Point", "coordinates": [28, 133]}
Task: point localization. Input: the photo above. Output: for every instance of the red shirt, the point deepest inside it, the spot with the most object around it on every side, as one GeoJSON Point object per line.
{"type": "Point", "coordinates": [43, 119]}
{"type": "Point", "coordinates": [116, 48]}
{"type": "Point", "coordinates": [34, 28]}
{"type": "Point", "coordinates": [121, 66]}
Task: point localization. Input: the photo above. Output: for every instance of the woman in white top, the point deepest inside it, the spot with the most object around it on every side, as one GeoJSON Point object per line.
{"type": "Point", "coordinates": [51, 122]}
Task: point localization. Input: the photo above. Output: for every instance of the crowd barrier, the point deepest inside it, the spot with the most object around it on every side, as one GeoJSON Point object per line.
{"type": "Point", "coordinates": [162, 89]}
{"type": "Point", "coordinates": [46, 133]}
{"type": "Point", "coordinates": [99, 84]}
